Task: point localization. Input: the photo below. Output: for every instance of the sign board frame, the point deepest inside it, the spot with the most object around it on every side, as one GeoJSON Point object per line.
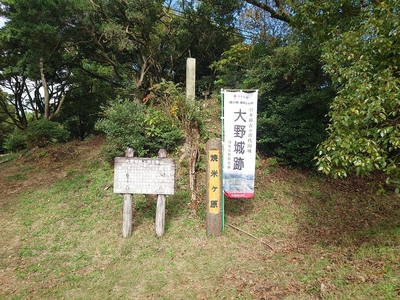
{"type": "Point", "coordinates": [137, 175]}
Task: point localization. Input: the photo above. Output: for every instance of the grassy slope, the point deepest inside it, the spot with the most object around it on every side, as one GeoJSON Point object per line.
{"type": "Point", "coordinates": [61, 236]}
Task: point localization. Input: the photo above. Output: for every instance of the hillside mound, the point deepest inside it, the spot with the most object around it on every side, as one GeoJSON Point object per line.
{"type": "Point", "coordinates": [42, 166]}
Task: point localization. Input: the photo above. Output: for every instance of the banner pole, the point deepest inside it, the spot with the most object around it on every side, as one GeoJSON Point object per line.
{"type": "Point", "coordinates": [223, 144]}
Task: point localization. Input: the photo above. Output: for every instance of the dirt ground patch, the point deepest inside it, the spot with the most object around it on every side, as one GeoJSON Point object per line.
{"type": "Point", "coordinates": [41, 166]}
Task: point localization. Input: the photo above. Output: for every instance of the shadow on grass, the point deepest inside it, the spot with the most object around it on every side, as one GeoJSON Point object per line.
{"type": "Point", "coordinates": [144, 207]}
{"type": "Point", "coordinates": [239, 206]}
{"type": "Point", "coordinates": [348, 212]}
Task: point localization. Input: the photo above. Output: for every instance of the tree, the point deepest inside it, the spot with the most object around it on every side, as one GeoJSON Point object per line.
{"type": "Point", "coordinates": [5, 122]}
{"type": "Point", "coordinates": [294, 95]}
{"type": "Point", "coordinates": [144, 42]}
{"type": "Point", "coordinates": [363, 61]}
{"type": "Point", "coordinates": [356, 48]}
{"type": "Point", "coordinates": [294, 103]}
{"type": "Point", "coordinates": [294, 92]}
{"type": "Point", "coordinates": [277, 9]}
{"type": "Point", "coordinates": [87, 95]}
{"type": "Point", "coordinates": [257, 25]}
{"type": "Point", "coordinates": [34, 42]}
{"type": "Point", "coordinates": [211, 30]}
{"type": "Point", "coordinates": [14, 80]}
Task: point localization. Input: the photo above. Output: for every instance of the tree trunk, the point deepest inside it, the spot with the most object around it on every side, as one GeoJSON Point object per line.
{"type": "Point", "coordinates": [45, 91]}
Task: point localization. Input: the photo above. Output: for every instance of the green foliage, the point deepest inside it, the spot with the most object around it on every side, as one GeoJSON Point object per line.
{"type": "Point", "coordinates": [122, 122]}
{"type": "Point", "coordinates": [169, 96]}
{"type": "Point", "coordinates": [93, 51]}
{"type": "Point", "coordinates": [292, 126]}
{"type": "Point", "coordinates": [43, 132]}
{"type": "Point", "coordinates": [160, 131]}
{"type": "Point", "coordinates": [232, 66]}
{"type": "Point", "coordinates": [16, 141]}
{"type": "Point", "coordinates": [130, 124]}
{"type": "Point", "coordinates": [294, 102]}
{"type": "Point", "coordinates": [206, 31]}
{"type": "Point", "coordinates": [5, 129]}
{"type": "Point", "coordinates": [85, 98]}
{"type": "Point", "coordinates": [33, 34]}
{"type": "Point", "coordinates": [294, 95]}
{"type": "Point", "coordinates": [364, 134]}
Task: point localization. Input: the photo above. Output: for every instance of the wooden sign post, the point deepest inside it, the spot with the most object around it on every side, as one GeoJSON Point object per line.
{"type": "Point", "coordinates": [127, 210]}
{"type": "Point", "coordinates": [160, 211]}
{"type": "Point", "coordinates": [214, 188]}
{"type": "Point", "coordinates": [137, 175]}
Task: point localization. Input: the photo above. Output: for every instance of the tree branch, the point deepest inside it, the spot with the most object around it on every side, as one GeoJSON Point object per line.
{"type": "Point", "coordinates": [58, 107]}
{"type": "Point", "coordinates": [279, 14]}
{"type": "Point", "coordinates": [45, 91]}
{"type": "Point", "coordinates": [249, 234]}
{"type": "Point", "coordinates": [103, 52]}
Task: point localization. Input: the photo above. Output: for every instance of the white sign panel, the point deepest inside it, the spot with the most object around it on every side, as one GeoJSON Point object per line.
{"type": "Point", "coordinates": [239, 149]}
{"type": "Point", "coordinates": [135, 175]}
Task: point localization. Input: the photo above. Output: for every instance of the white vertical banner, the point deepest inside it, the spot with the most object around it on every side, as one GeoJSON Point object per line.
{"type": "Point", "coordinates": [239, 147]}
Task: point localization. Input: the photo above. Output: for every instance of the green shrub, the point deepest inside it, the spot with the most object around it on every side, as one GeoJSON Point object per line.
{"type": "Point", "coordinates": [293, 126]}
{"type": "Point", "coordinates": [161, 131]}
{"type": "Point", "coordinates": [16, 141]}
{"type": "Point", "coordinates": [42, 132]}
{"type": "Point", "coordinates": [129, 124]}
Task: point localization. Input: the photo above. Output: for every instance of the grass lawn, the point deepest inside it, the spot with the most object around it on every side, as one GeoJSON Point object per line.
{"type": "Point", "coordinates": [303, 236]}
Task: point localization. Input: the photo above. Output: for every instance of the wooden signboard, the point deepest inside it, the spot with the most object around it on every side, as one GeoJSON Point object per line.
{"type": "Point", "coordinates": [135, 175]}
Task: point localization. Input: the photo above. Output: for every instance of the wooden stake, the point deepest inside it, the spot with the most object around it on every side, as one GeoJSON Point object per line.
{"type": "Point", "coordinates": [160, 211]}
{"type": "Point", "coordinates": [127, 210]}
{"type": "Point", "coordinates": [160, 215]}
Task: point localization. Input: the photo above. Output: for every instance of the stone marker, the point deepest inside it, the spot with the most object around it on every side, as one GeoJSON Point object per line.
{"type": "Point", "coordinates": [190, 79]}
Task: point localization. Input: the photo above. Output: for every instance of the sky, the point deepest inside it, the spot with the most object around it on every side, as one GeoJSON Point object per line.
{"type": "Point", "coordinates": [2, 21]}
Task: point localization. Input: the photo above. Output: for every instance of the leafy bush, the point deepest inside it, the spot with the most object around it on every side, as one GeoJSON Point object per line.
{"type": "Point", "coordinates": [161, 131]}
{"type": "Point", "coordinates": [364, 131]}
{"type": "Point", "coordinates": [42, 132]}
{"type": "Point", "coordinates": [170, 99]}
{"type": "Point", "coordinates": [16, 141]}
{"type": "Point", "coordinates": [129, 124]}
{"type": "Point", "coordinates": [294, 95]}
{"type": "Point", "coordinates": [293, 126]}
